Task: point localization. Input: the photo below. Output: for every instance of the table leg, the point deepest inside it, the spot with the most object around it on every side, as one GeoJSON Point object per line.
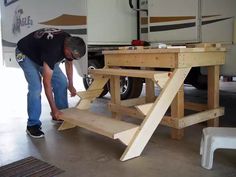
{"type": "Point", "coordinates": [213, 92]}
{"type": "Point", "coordinates": [150, 91]}
{"type": "Point", "coordinates": [177, 111]}
{"type": "Point", "coordinates": [115, 93]}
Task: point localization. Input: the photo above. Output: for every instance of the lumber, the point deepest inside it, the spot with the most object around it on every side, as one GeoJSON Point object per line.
{"type": "Point", "coordinates": [89, 93]}
{"type": "Point", "coordinates": [103, 125]}
{"type": "Point", "coordinates": [155, 116]}
{"type": "Point", "coordinates": [155, 75]}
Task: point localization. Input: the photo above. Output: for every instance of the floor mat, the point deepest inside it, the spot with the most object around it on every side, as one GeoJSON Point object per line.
{"type": "Point", "coordinates": [29, 167]}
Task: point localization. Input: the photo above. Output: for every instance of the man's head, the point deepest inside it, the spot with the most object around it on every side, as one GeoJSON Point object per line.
{"type": "Point", "coordinates": [75, 48]}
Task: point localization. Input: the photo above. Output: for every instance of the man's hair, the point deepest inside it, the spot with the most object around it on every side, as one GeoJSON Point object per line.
{"type": "Point", "coordinates": [76, 44]}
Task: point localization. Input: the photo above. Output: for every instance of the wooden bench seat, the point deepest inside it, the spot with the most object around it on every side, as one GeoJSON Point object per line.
{"type": "Point", "coordinates": [113, 128]}
{"type": "Point", "coordinates": [154, 75]}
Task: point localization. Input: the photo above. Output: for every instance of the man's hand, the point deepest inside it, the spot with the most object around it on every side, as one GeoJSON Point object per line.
{"type": "Point", "coordinates": [72, 90]}
{"type": "Point", "coordinates": [56, 114]}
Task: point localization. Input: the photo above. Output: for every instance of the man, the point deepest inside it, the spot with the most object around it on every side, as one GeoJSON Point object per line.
{"type": "Point", "coordinates": [39, 55]}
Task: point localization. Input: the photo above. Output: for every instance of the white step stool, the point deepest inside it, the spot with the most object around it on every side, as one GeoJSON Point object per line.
{"type": "Point", "coordinates": [216, 138]}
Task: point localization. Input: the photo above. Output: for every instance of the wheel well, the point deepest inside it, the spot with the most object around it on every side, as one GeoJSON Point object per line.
{"type": "Point", "coordinates": [96, 56]}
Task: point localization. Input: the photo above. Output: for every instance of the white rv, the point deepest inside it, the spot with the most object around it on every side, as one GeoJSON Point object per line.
{"type": "Point", "coordinates": [113, 23]}
{"type": "Point", "coordinates": [21, 17]}
{"type": "Point", "coordinates": [192, 21]}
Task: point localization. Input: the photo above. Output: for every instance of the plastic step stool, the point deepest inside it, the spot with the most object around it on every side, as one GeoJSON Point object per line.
{"type": "Point", "coordinates": [216, 138]}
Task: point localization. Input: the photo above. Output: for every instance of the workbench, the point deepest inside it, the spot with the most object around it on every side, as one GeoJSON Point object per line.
{"type": "Point", "coordinates": [151, 108]}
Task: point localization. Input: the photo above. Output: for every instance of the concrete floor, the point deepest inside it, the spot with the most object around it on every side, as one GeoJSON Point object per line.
{"type": "Point", "coordinates": [84, 154]}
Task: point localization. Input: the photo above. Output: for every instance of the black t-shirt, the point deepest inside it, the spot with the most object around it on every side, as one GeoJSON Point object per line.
{"type": "Point", "coordinates": [44, 45]}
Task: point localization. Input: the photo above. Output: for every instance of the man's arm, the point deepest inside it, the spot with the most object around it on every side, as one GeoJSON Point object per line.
{"type": "Point", "coordinates": [69, 74]}
{"type": "Point", "coordinates": [47, 76]}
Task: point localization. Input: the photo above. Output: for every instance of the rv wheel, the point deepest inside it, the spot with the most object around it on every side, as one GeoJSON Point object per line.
{"type": "Point", "coordinates": [87, 80]}
{"type": "Point", "coordinates": [130, 87]}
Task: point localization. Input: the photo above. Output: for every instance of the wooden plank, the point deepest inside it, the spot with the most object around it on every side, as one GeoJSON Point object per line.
{"type": "Point", "coordinates": [170, 122]}
{"type": "Point", "coordinates": [97, 84]}
{"type": "Point", "coordinates": [192, 119]}
{"type": "Point", "coordinates": [152, 60]}
{"type": "Point", "coordinates": [195, 106]}
{"type": "Point", "coordinates": [213, 92]}
{"type": "Point", "coordinates": [161, 82]}
{"type": "Point", "coordinates": [122, 110]}
{"type": "Point", "coordinates": [205, 45]}
{"type": "Point", "coordinates": [155, 75]}
{"type": "Point", "coordinates": [177, 111]}
{"type": "Point", "coordinates": [90, 93]}
{"type": "Point", "coordinates": [133, 101]}
{"type": "Point", "coordinates": [166, 121]}
{"type": "Point", "coordinates": [150, 90]}
{"type": "Point", "coordinates": [141, 51]}
{"type": "Point", "coordinates": [164, 51]}
{"type": "Point", "coordinates": [200, 117]}
{"type": "Point", "coordinates": [126, 136]}
{"type": "Point", "coordinates": [85, 104]}
{"type": "Point", "coordinates": [66, 125]}
{"type": "Point", "coordinates": [155, 116]}
{"type": "Point", "coordinates": [144, 108]}
{"type": "Point", "coordinates": [201, 59]}
{"type": "Point", "coordinates": [115, 93]}
{"type": "Point", "coordinates": [99, 124]}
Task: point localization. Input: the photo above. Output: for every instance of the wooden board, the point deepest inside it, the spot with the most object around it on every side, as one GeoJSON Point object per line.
{"type": "Point", "coordinates": [100, 124]}
{"type": "Point", "coordinates": [155, 115]}
{"type": "Point", "coordinates": [92, 92]}
{"type": "Point", "coordinates": [155, 75]}
{"type": "Point", "coordinates": [166, 50]}
{"type": "Point", "coordinates": [166, 58]}
{"type": "Point", "coordinates": [213, 92]}
{"type": "Point", "coordinates": [133, 101]}
{"type": "Point", "coordinates": [151, 60]}
{"type": "Point", "coordinates": [200, 117]}
{"type": "Point", "coordinates": [200, 59]}
{"type": "Point", "coordinates": [177, 111]}
{"type": "Point", "coordinates": [89, 93]}
{"type": "Point", "coordinates": [128, 111]}
{"type": "Point", "coordinates": [144, 108]}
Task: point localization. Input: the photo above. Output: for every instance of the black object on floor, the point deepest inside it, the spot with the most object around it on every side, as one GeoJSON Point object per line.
{"type": "Point", "coordinates": [29, 167]}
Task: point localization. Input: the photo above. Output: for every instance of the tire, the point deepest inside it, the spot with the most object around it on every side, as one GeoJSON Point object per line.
{"type": "Point", "coordinates": [130, 87]}
{"type": "Point", "coordinates": [201, 83]}
{"type": "Point", "coordinates": [196, 79]}
{"type": "Point", "coordinates": [87, 80]}
{"type": "Point", "coordinates": [135, 88]}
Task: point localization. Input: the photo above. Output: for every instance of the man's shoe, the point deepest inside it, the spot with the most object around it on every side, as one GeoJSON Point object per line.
{"type": "Point", "coordinates": [35, 131]}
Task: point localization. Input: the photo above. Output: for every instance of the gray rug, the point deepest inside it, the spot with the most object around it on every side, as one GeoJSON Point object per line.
{"type": "Point", "coordinates": [29, 167]}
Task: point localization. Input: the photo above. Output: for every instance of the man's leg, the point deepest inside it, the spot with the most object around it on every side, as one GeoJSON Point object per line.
{"type": "Point", "coordinates": [59, 84]}
{"type": "Point", "coordinates": [33, 77]}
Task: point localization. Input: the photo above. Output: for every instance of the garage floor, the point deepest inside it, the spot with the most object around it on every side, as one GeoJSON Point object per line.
{"type": "Point", "coordinates": [84, 154]}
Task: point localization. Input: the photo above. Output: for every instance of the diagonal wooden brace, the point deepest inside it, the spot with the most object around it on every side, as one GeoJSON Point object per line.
{"type": "Point", "coordinates": [94, 89]}
{"type": "Point", "coordinates": [155, 114]}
